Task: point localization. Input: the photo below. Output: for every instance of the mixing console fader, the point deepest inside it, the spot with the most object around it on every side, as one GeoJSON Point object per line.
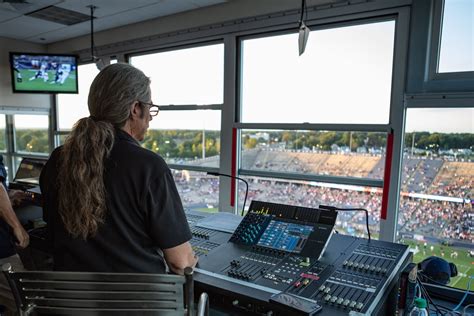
{"type": "Point", "coordinates": [204, 240]}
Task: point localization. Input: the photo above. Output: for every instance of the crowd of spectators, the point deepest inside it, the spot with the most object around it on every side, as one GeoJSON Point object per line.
{"type": "Point", "coordinates": [426, 217]}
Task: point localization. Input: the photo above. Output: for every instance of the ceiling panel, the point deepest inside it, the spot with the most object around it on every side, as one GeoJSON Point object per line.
{"type": "Point", "coordinates": [109, 14]}
{"type": "Point", "coordinates": [13, 10]}
{"type": "Point", "coordinates": [61, 34]}
{"type": "Point", "coordinates": [106, 7]}
{"type": "Point", "coordinates": [24, 26]}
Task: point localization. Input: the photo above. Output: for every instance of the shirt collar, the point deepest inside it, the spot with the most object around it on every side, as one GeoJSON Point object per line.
{"type": "Point", "coordinates": [122, 135]}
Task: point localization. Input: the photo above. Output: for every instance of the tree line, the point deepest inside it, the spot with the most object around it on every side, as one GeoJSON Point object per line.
{"type": "Point", "coordinates": [188, 144]}
{"type": "Point", "coordinates": [324, 140]}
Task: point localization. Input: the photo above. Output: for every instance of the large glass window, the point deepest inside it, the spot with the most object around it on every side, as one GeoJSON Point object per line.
{"type": "Point", "coordinates": [185, 76]}
{"type": "Point", "coordinates": [198, 191]}
{"type": "Point", "coordinates": [31, 133]}
{"type": "Point", "coordinates": [437, 192]}
{"type": "Point", "coordinates": [186, 137]}
{"type": "Point", "coordinates": [347, 154]}
{"type": "Point", "coordinates": [344, 76]}
{"type": "Point", "coordinates": [72, 107]}
{"type": "Point", "coordinates": [457, 36]}
{"type": "Point", "coordinates": [182, 81]}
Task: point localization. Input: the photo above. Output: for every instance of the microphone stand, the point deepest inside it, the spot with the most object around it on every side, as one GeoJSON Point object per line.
{"type": "Point", "coordinates": [234, 177]}
{"type": "Point", "coordinates": [333, 208]}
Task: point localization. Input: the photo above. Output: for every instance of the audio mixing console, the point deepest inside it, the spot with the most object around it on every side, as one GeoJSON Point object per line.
{"type": "Point", "coordinates": [283, 259]}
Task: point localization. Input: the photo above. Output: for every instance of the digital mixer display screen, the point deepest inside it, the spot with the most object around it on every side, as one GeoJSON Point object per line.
{"type": "Point", "coordinates": [285, 236]}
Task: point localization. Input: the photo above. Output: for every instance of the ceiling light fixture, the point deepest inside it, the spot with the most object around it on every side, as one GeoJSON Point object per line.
{"type": "Point", "coordinates": [303, 29]}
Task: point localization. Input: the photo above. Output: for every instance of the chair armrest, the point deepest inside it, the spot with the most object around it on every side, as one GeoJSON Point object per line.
{"type": "Point", "coordinates": [203, 305]}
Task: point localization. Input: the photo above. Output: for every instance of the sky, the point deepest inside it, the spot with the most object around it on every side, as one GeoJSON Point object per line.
{"type": "Point", "coordinates": [344, 76]}
{"type": "Point", "coordinates": [457, 37]}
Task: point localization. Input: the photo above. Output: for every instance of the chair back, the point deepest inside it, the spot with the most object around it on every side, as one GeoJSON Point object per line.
{"type": "Point", "coordinates": [91, 293]}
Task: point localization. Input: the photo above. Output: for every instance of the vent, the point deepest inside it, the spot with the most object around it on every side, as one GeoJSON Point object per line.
{"type": "Point", "coordinates": [59, 15]}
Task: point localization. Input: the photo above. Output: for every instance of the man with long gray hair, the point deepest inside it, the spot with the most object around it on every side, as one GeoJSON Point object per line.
{"type": "Point", "coordinates": [110, 204]}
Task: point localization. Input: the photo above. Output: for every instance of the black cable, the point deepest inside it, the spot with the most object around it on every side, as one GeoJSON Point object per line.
{"type": "Point", "coordinates": [447, 309]}
{"type": "Point", "coordinates": [423, 275]}
{"type": "Point", "coordinates": [428, 296]}
{"type": "Point", "coordinates": [234, 177]}
{"type": "Point", "coordinates": [303, 6]}
{"type": "Point", "coordinates": [93, 56]}
{"type": "Point", "coordinates": [92, 32]}
{"type": "Point", "coordinates": [423, 293]}
{"type": "Point", "coordinates": [333, 208]}
{"type": "Point", "coordinates": [305, 11]}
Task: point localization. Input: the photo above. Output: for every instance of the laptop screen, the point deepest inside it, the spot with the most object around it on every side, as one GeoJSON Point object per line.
{"type": "Point", "coordinates": [29, 170]}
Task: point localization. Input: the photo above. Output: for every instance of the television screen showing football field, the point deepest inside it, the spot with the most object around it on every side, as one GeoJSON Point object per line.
{"type": "Point", "coordinates": [43, 73]}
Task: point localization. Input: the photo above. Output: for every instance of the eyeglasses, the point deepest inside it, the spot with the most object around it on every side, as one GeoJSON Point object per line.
{"type": "Point", "coordinates": [153, 108]}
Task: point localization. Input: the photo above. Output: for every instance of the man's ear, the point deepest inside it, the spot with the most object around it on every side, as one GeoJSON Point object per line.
{"type": "Point", "coordinates": [136, 110]}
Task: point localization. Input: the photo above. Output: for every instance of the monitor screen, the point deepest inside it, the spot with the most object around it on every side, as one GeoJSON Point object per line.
{"type": "Point", "coordinates": [29, 170]}
{"type": "Point", "coordinates": [285, 236]}
{"type": "Point", "coordinates": [43, 73]}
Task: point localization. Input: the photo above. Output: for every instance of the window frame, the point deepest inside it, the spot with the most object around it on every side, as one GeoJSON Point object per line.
{"type": "Point", "coordinates": [15, 151]}
{"type": "Point", "coordinates": [10, 152]}
{"type": "Point", "coordinates": [433, 101]}
{"type": "Point", "coordinates": [401, 16]}
{"type": "Point", "coordinates": [435, 48]}
{"type": "Point", "coordinates": [185, 107]}
{"type": "Point", "coordinates": [315, 25]}
{"type": "Point", "coordinates": [422, 76]}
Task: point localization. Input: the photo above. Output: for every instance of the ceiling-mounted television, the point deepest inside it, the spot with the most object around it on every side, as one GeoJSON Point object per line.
{"type": "Point", "coordinates": [43, 73]}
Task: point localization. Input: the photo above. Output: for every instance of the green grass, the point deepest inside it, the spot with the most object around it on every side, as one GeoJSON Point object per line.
{"type": "Point", "coordinates": [464, 262]}
{"type": "Point", "coordinates": [39, 84]}
{"type": "Point", "coordinates": [209, 210]}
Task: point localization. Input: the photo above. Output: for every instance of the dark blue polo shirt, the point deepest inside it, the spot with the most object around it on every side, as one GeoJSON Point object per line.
{"type": "Point", "coordinates": [7, 246]}
{"type": "Point", "coordinates": [144, 214]}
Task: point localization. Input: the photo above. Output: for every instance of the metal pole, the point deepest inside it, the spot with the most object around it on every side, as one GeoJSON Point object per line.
{"type": "Point", "coordinates": [188, 273]}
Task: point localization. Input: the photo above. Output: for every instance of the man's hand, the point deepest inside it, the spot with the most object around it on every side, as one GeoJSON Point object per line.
{"type": "Point", "coordinates": [180, 257]}
{"type": "Point", "coordinates": [22, 237]}
{"type": "Point", "coordinates": [16, 196]}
